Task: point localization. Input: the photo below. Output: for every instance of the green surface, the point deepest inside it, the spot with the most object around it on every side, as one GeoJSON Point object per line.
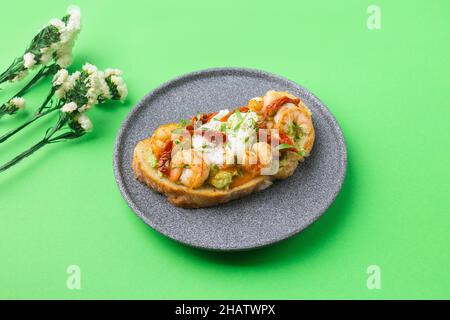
{"type": "Point", "coordinates": [388, 88]}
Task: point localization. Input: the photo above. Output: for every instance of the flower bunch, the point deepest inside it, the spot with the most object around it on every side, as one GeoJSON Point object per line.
{"type": "Point", "coordinates": [53, 43]}
{"type": "Point", "coordinates": [12, 106]}
{"type": "Point", "coordinates": [80, 91]}
{"type": "Point", "coordinates": [51, 49]}
{"type": "Point", "coordinates": [73, 95]}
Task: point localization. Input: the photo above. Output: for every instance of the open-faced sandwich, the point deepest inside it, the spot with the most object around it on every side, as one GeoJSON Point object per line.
{"type": "Point", "coordinates": [217, 157]}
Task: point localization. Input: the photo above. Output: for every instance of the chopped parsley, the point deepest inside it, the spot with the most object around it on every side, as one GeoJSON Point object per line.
{"type": "Point", "coordinates": [284, 146]}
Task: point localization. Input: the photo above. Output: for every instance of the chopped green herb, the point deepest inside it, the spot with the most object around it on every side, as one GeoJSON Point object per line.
{"type": "Point", "coordinates": [302, 153]}
{"type": "Point", "coordinates": [178, 130]}
{"type": "Point", "coordinates": [223, 127]}
{"type": "Point", "coordinates": [241, 121]}
{"type": "Point", "coordinates": [238, 115]}
{"type": "Point", "coordinates": [284, 146]}
{"type": "Point", "coordinates": [152, 160]}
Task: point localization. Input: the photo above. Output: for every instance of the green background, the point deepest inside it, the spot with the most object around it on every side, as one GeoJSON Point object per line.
{"type": "Point", "coordinates": [388, 88]}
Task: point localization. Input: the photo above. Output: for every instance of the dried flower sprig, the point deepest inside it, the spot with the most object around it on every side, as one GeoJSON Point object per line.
{"type": "Point", "coordinates": [73, 95]}
{"type": "Point", "coordinates": [53, 43]}
{"type": "Point", "coordinates": [78, 92]}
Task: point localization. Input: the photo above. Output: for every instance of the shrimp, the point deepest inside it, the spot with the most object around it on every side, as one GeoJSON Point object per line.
{"type": "Point", "coordinates": [189, 167]}
{"type": "Point", "coordinates": [255, 104]}
{"type": "Point", "coordinates": [259, 157]}
{"type": "Point", "coordinates": [275, 99]}
{"type": "Point", "coordinates": [263, 153]}
{"type": "Point", "coordinates": [160, 137]}
{"type": "Point", "coordinates": [295, 121]}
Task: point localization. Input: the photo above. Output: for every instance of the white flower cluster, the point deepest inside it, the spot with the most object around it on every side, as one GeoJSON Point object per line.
{"type": "Point", "coordinates": [61, 49]}
{"type": "Point", "coordinates": [115, 77]}
{"type": "Point", "coordinates": [28, 60]}
{"type": "Point", "coordinates": [17, 103]}
{"type": "Point", "coordinates": [84, 122]}
{"type": "Point", "coordinates": [80, 91]}
{"type": "Point", "coordinates": [64, 82]}
{"type": "Point", "coordinates": [69, 107]}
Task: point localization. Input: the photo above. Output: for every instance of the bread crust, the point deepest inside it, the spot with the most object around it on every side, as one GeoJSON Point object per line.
{"type": "Point", "coordinates": [182, 196]}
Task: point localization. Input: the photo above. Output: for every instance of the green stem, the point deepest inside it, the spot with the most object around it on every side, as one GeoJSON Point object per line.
{"type": "Point", "coordinates": [2, 110]}
{"type": "Point", "coordinates": [13, 69]}
{"type": "Point", "coordinates": [24, 154]}
{"type": "Point", "coordinates": [46, 101]}
{"type": "Point", "coordinates": [9, 134]}
{"type": "Point", "coordinates": [66, 136]}
{"type": "Point", "coordinates": [43, 72]}
{"type": "Point", "coordinates": [47, 139]}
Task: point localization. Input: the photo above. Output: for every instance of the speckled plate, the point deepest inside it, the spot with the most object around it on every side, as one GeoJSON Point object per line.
{"type": "Point", "coordinates": [279, 212]}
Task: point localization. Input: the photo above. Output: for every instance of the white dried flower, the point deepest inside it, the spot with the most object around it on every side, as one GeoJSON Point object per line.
{"type": "Point", "coordinates": [60, 77]}
{"type": "Point", "coordinates": [55, 45]}
{"type": "Point", "coordinates": [64, 60]}
{"type": "Point", "coordinates": [28, 60]}
{"type": "Point", "coordinates": [106, 93]}
{"type": "Point", "coordinates": [46, 55]}
{"type": "Point", "coordinates": [84, 122]}
{"type": "Point", "coordinates": [19, 76]}
{"type": "Point", "coordinates": [85, 107]}
{"type": "Point", "coordinates": [69, 107]}
{"type": "Point", "coordinates": [93, 85]}
{"type": "Point", "coordinates": [102, 89]}
{"type": "Point", "coordinates": [65, 82]}
{"type": "Point", "coordinates": [74, 22]}
{"type": "Point", "coordinates": [76, 75]}
{"type": "Point", "coordinates": [57, 23]}
{"type": "Point", "coordinates": [60, 93]}
{"type": "Point", "coordinates": [72, 27]}
{"type": "Point", "coordinates": [92, 96]}
{"type": "Point", "coordinates": [112, 72]}
{"type": "Point", "coordinates": [121, 87]}
{"type": "Point", "coordinates": [18, 103]}
{"type": "Point", "coordinates": [71, 80]}
{"type": "Point", "coordinates": [67, 33]}
{"type": "Point", "coordinates": [89, 68]}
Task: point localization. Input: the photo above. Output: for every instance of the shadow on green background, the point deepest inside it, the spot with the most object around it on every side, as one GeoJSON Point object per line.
{"type": "Point", "coordinates": [298, 247]}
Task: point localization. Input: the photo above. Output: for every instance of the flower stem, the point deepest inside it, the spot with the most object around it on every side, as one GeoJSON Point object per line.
{"type": "Point", "coordinates": [12, 70]}
{"type": "Point", "coordinates": [43, 72]}
{"type": "Point", "coordinates": [2, 110]}
{"type": "Point", "coordinates": [24, 154]}
{"type": "Point", "coordinates": [9, 134]}
{"type": "Point", "coordinates": [47, 140]}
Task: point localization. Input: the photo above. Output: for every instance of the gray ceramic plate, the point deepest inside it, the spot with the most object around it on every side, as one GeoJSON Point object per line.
{"type": "Point", "coordinates": [282, 210]}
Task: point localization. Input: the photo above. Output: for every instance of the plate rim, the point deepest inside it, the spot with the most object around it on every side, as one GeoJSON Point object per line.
{"type": "Point", "coordinates": [124, 193]}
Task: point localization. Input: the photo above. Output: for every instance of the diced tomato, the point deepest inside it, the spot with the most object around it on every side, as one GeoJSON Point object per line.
{"type": "Point", "coordinates": [166, 156]}
{"type": "Point", "coordinates": [274, 106]}
{"type": "Point", "coordinates": [284, 139]}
